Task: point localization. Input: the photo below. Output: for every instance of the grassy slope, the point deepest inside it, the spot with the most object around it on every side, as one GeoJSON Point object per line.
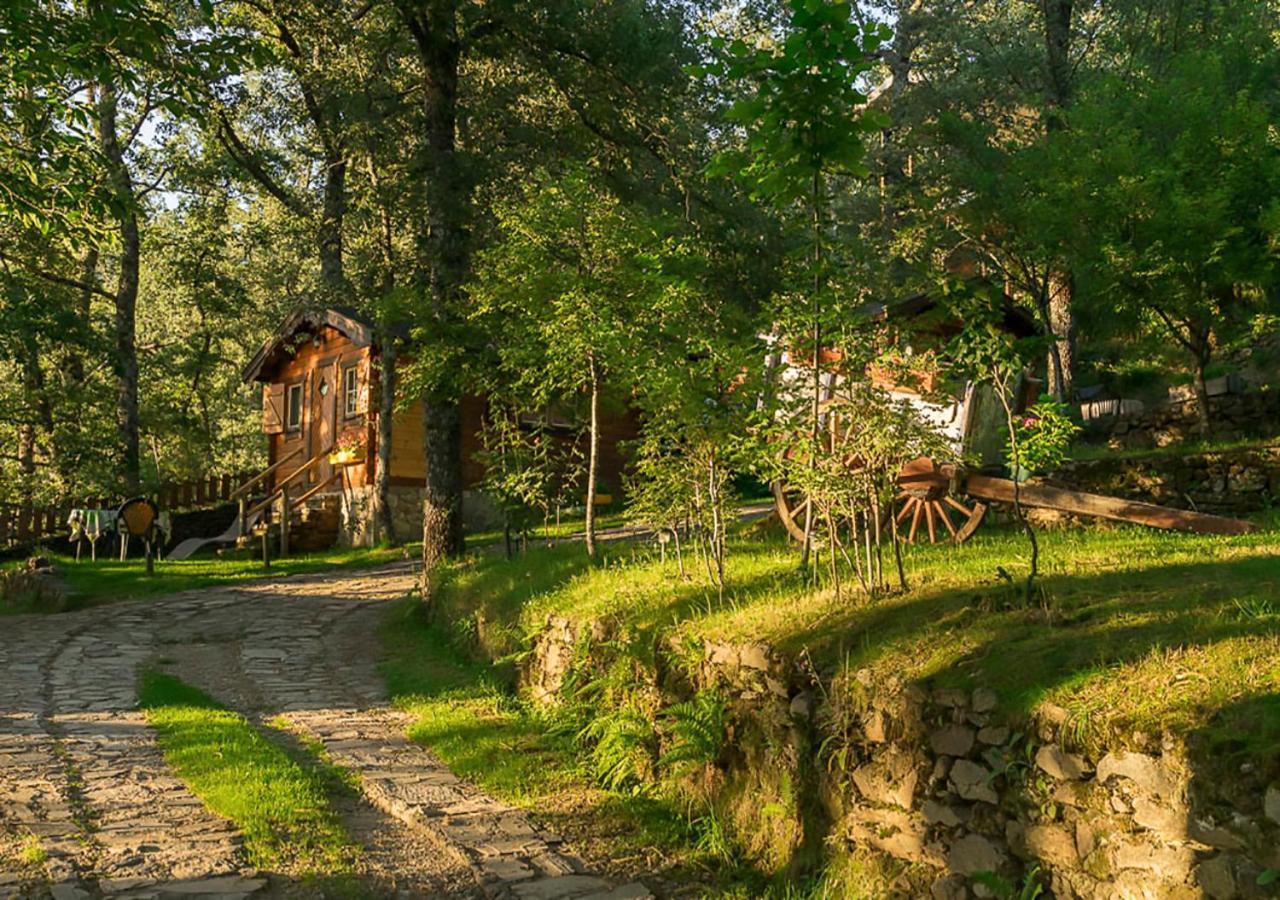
{"type": "Point", "coordinates": [91, 583]}
{"type": "Point", "coordinates": [482, 734]}
{"type": "Point", "coordinates": [280, 806]}
{"type": "Point", "coordinates": [1143, 630]}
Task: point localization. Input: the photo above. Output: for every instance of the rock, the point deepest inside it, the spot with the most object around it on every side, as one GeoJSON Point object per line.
{"type": "Point", "coordinates": [952, 698]}
{"type": "Point", "coordinates": [68, 890]}
{"type": "Point", "coordinates": [1171, 862]}
{"type": "Point", "coordinates": [1085, 841]}
{"type": "Point", "coordinates": [875, 727]}
{"type": "Point", "coordinates": [1271, 804]}
{"type": "Point", "coordinates": [801, 705]}
{"type": "Point", "coordinates": [897, 833]}
{"type": "Point", "coordinates": [890, 779]}
{"type": "Point", "coordinates": [984, 700]}
{"type": "Point", "coordinates": [754, 656]}
{"type": "Point", "coordinates": [1052, 844]}
{"type": "Point", "coordinates": [1051, 715]}
{"type": "Point", "coordinates": [222, 886]}
{"type": "Point", "coordinates": [1146, 773]}
{"type": "Point", "coordinates": [993, 735]}
{"type": "Point", "coordinates": [953, 740]}
{"type": "Point", "coordinates": [1057, 763]}
{"type": "Point", "coordinates": [973, 854]}
{"type": "Point", "coordinates": [1169, 823]}
{"type": "Point", "coordinates": [952, 887]}
{"type": "Point", "coordinates": [1216, 878]}
{"type": "Point", "coordinates": [936, 813]}
{"type": "Point", "coordinates": [1213, 835]}
{"type": "Point", "coordinates": [972, 781]}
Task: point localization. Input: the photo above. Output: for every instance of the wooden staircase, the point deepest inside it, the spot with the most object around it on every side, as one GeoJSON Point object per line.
{"type": "Point", "coordinates": [301, 517]}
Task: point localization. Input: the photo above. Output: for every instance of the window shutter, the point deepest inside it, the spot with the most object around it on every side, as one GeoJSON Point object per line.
{"type": "Point", "coordinates": [273, 408]}
{"type": "Point", "coordinates": [362, 404]}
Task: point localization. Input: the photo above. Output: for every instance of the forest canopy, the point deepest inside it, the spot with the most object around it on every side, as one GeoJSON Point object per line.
{"type": "Point", "coordinates": [175, 177]}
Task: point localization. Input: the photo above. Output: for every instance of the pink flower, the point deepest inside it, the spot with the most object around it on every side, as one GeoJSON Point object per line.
{"type": "Point", "coordinates": [1029, 421]}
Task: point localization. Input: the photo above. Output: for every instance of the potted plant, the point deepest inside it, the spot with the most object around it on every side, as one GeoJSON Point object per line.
{"type": "Point", "coordinates": [1043, 434]}
{"type": "Point", "coordinates": [349, 449]}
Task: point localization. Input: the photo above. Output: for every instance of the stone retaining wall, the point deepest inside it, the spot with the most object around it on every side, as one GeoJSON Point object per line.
{"type": "Point", "coordinates": [1228, 482]}
{"type": "Point", "coordinates": [1232, 417]}
{"type": "Point", "coordinates": [944, 781]}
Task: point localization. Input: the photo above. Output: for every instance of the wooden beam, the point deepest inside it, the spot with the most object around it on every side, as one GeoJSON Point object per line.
{"type": "Point", "coordinates": [1000, 490]}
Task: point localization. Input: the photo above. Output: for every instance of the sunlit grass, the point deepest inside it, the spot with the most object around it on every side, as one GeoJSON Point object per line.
{"type": "Point", "coordinates": [482, 733]}
{"type": "Point", "coordinates": [1188, 618]}
{"type": "Point", "coordinates": [90, 583]}
{"type": "Point", "coordinates": [279, 806]}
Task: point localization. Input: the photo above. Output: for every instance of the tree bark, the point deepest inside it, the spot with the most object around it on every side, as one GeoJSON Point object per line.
{"type": "Point", "coordinates": [385, 525]}
{"type": "Point", "coordinates": [1062, 322]}
{"type": "Point", "coordinates": [593, 459]}
{"type": "Point", "coordinates": [442, 500]}
{"type": "Point", "coordinates": [444, 249]}
{"type": "Point", "coordinates": [1199, 382]}
{"type": "Point", "coordinates": [1058, 96]}
{"type": "Point", "coordinates": [126, 297]}
{"type": "Point", "coordinates": [329, 230]}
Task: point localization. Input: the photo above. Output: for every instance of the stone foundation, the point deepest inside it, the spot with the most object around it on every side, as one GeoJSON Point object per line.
{"type": "Point", "coordinates": [1229, 482]}
{"type": "Point", "coordinates": [478, 514]}
{"type": "Point", "coordinates": [942, 780]}
{"type": "Point", "coordinates": [1232, 417]}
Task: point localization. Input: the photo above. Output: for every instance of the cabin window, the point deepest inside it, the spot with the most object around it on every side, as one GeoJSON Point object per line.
{"type": "Point", "coordinates": [293, 417]}
{"type": "Point", "coordinates": [351, 391]}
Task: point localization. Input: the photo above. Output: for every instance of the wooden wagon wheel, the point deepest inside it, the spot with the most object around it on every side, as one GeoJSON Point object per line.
{"type": "Point", "coordinates": [925, 498]}
{"type": "Point", "coordinates": [792, 504]}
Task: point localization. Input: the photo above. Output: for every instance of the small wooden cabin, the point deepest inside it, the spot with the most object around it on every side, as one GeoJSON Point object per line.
{"type": "Point", "coordinates": [320, 394]}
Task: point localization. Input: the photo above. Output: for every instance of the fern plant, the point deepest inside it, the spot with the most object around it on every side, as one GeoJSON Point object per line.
{"type": "Point", "coordinates": [697, 731]}
{"type": "Point", "coordinates": [621, 744]}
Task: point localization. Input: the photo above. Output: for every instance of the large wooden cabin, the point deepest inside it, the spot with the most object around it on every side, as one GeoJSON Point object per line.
{"type": "Point", "coordinates": [320, 391]}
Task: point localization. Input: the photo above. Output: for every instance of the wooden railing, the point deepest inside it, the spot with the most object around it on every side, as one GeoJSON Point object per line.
{"type": "Point", "coordinates": [249, 514]}
{"type": "Point", "coordinates": [25, 523]}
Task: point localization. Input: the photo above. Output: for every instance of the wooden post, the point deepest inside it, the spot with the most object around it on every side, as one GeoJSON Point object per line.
{"type": "Point", "coordinates": [266, 542]}
{"type": "Point", "coordinates": [284, 521]}
{"type": "Point", "coordinates": [244, 508]}
{"type": "Point", "coordinates": [151, 566]}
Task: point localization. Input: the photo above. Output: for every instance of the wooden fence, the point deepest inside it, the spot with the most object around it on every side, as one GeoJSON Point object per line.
{"type": "Point", "coordinates": [22, 524]}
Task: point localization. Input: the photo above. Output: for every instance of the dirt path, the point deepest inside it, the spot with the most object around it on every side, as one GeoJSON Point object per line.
{"type": "Point", "coordinates": [81, 772]}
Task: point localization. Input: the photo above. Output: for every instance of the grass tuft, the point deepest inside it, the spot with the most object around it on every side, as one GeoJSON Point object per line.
{"type": "Point", "coordinates": [279, 805]}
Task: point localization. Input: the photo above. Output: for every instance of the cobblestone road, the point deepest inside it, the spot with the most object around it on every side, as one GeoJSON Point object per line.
{"type": "Point", "coordinates": [81, 772]}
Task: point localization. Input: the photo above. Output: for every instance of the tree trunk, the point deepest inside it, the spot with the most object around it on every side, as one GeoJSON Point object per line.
{"type": "Point", "coordinates": [84, 315]}
{"type": "Point", "coordinates": [329, 232]}
{"type": "Point", "coordinates": [444, 250]}
{"type": "Point", "coordinates": [442, 500]}
{"type": "Point", "coordinates": [1058, 95]}
{"type": "Point", "coordinates": [1202, 396]}
{"type": "Point", "coordinates": [593, 459]}
{"type": "Point", "coordinates": [126, 301]}
{"type": "Point", "coordinates": [384, 525]}
{"type": "Point", "coordinates": [1062, 325]}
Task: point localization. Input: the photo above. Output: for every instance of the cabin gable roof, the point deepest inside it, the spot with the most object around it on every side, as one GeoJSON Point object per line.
{"type": "Point", "coordinates": [347, 321]}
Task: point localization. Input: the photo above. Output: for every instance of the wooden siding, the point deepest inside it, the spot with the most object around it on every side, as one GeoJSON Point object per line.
{"type": "Point", "coordinates": [323, 420]}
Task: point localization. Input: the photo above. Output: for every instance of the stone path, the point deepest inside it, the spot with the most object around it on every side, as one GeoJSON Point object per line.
{"type": "Point", "coordinates": [81, 772]}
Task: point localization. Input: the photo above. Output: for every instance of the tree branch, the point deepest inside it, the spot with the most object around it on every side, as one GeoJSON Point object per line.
{"type": "Point", "coordinates": [54, 278]}
{"type": "Point", "coordinates": [244, 158]}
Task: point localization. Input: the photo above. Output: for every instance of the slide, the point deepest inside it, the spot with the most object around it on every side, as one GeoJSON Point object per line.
{"type": "Point", "coordinates": [191, 545]}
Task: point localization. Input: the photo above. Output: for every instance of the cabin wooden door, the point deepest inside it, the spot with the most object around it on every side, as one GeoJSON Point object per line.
{"type": "Point", "coordinates": [326, 394]}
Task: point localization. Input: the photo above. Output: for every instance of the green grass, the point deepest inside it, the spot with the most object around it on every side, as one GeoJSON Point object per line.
{"type": "Point", "coordinates": [567, 527]}
{"type": "Point", "coordinates": [1087, 451]}
{"type": "Point", "coordinates": [465, 713]}
{"type": "Point", "coordinates": [1140, 630]}
{"type": "Point", "coordinates": [279, 805]}
{"type": "Point", "coordinates": [108, 580]}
